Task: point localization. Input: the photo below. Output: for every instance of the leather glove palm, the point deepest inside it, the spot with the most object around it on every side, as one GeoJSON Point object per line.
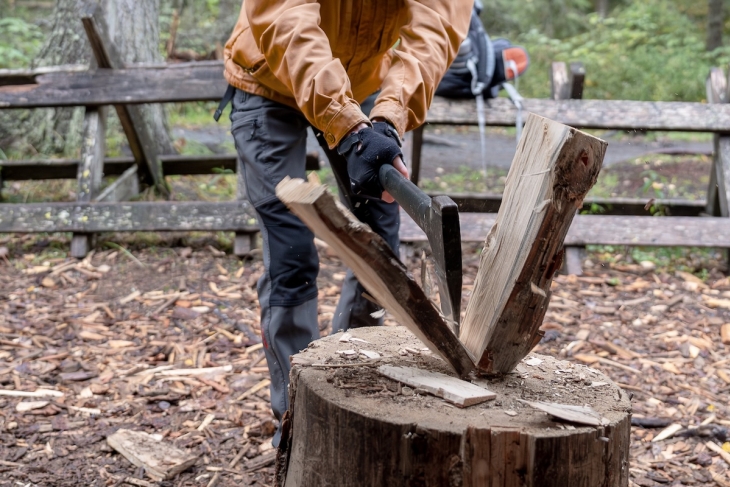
{"type": "Point", "coordinates": [366, 151]}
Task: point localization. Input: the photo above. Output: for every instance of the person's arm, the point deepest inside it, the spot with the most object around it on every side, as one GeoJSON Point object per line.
{"type": "Point", "coordinates": [428, 44]}
{"type": "Point", "coordinates": [298, 52]}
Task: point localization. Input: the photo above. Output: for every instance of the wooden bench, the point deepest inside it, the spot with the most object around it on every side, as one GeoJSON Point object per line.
{"type": "Point", "coordinates": [129, 86]}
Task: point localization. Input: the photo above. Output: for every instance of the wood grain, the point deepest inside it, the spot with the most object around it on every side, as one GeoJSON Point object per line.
{"type": "Point", "coordinates": [552, 171]}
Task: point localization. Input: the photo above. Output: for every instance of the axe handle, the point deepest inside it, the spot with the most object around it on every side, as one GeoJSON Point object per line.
{"type": "Point", "coordinates": [413, 200]}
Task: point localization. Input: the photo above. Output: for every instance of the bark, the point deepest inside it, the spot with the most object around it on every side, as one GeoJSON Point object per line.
{"type": "Point", "coordinates": [715, 17]}
{"type": "Point", "coordinates": [134, 27]}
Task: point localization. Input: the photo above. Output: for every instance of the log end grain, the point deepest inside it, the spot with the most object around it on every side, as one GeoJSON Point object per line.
{"type": "Point", "coordinates": [352, 426]}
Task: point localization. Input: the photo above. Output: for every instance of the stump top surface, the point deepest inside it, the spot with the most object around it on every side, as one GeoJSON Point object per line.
{"type": "Point", "coordinates": [362, 390]}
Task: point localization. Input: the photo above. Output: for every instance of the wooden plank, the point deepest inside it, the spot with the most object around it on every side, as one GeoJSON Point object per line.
{"type": "Point", "coordinates": [555, 166]}
{"type": "Point", "coordinates": [416, 151]}
{"type": "Point", "coordinates": [118, 87]}
{"type": "Point", "coordinates": [716, 90]}
{"type": "Point", "coordinates": [206, 83]}
{"type": "Point", "coordinates": [159, 459]}
{"type": "Point", "coordinates": [124, 188]}
{"type": "Point", "coordinates": [243, 243]}
{"type": "Point", "coordinates": [157, 216]}
{"type": "Point", "coordinates": [376, 267]}
{"type": "Point", "coordinates": [456, 391]}
{"type": "Point", "coordinates": [573, 260]}
{"type": "Point", "coordinates": [90, 170]}
{"type": "Point", "coordinates": [577, 80]}
{"type": "Point", "coordinates": [141, 142]}
{"type": "Point", "coordinates": [645, 231]}
{"type": "Point", "coordinates": [28, 76]}
{"type": "Point", "coordinates": [490, 203]}
{"type": "Point", "coordinates": [172, 165]}
{"type": "Point", "coordinates": [559, 81]}
{"type": "Point", "coordinates": [595, 114]}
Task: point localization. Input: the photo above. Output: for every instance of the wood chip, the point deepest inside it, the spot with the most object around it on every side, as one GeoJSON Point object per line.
{"type": "Point", "coordinates": [24, 406]}
{"type": "Point", "coordinates": [573, 414]}
{"type": "Point", "coordinates": [668, 432]}
{"type": "Point", "coordinates": [160, 460]}
{"type": "Point", "coordinates": [718, 449]}
{"type": "Point", "coordinates": [451, 389]}
{"type": "Point", "coordinates": [36, 393]}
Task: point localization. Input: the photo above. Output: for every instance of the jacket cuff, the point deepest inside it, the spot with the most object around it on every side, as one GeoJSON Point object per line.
{"type": "Point", "coordinates": [346, 119]}
{"type": "Point", "coordinates": [393, 113]}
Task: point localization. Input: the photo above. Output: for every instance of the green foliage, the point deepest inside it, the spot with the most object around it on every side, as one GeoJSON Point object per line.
{"type": "Point", "coordinates": [647, 51]}
{"type": "Point", "coordinates": [19, 42]}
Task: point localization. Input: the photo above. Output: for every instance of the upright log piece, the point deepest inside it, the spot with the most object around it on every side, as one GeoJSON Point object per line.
{"type": "Point", "coordinates": [552, 171]}
{"type": "Point", "coordinates": [351, 426]}
{"type": "Point", "coordinates": [376, 266]}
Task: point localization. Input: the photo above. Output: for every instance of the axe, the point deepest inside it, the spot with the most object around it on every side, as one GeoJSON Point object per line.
{"type": "Point", "coordinates": [439, 218]}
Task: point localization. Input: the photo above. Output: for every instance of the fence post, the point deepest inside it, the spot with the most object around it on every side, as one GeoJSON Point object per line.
{"type": "Point", "coordinates": [569, 85]}
{"type": "Point", "coordinates": [90, 170]}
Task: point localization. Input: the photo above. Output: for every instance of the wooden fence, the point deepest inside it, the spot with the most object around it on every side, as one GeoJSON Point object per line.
{"type": "Point", "coordinates": [126, 87]}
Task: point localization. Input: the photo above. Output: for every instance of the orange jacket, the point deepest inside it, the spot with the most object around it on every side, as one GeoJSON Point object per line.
{"type": "Point", "coordinates": [324, 57]}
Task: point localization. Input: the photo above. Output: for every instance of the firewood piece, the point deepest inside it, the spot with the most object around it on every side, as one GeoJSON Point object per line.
{"type": "Point", "coordinates": [451, 389]}
{"type": "Point", "coordinates": [376, 267]}
{"type": "Point", "coordinates": [552, 171]}
{"type": "Point", "coordinates": [161, 461]}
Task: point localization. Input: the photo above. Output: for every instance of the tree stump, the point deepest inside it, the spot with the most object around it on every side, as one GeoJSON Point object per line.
{"type": "Point", "coordinates": [350, 426]}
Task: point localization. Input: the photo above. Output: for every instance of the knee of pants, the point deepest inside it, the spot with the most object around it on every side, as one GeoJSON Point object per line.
{"type": "Point", "coordinates": [290, 255]}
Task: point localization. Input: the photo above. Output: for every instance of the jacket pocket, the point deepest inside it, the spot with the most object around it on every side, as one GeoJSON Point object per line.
{"type": "Point", "coordinates": [246, 53]}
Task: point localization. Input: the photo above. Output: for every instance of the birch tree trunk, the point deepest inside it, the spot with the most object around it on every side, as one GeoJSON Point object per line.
{"type": "Point", "coordinates": [134, 29]}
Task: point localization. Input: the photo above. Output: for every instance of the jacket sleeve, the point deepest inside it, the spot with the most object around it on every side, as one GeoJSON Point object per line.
{"type": "Point", "coordinates": [298, 52]}
{"type": "Point", "coordinates": [428, 44]}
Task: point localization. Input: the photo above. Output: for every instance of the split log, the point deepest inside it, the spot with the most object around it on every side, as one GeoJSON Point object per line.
{"type": "Point", "coordinates": [351, 426]}
{"type": "Point", "coordinates": [376, 267]}
{"type": "Point", "coordinates": [552, 171]}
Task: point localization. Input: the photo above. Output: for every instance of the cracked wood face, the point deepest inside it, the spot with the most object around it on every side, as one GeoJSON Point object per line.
{"type": "Point", "coordinates": [552, 171]}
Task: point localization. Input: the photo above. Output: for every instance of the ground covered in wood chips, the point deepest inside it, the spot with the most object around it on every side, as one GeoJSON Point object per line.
{"type": "Point", "coordinates": [166, 340]}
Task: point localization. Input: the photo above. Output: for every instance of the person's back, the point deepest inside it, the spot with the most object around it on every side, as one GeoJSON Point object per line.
{"type": "Point", "coordinates": [308, 54]}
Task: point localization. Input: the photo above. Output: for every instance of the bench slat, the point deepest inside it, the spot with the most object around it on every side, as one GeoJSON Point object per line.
{"type": "Point", "coordinates": [191, 82]}
{"type": "Point", "coordinates": [605, 230]}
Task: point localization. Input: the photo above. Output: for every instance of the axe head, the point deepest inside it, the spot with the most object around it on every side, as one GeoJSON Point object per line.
{"type": "Point", "coordinates": [444, 236]}
{"type": "Point", "coordinates": [439, 219]}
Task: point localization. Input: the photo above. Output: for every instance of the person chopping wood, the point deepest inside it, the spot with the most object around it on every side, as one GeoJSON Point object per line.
{"type": "Point", "coordinates": [361, 73]}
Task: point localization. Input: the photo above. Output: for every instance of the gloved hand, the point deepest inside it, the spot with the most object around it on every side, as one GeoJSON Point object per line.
{"type": "Point", "coordinates": [367, 150]}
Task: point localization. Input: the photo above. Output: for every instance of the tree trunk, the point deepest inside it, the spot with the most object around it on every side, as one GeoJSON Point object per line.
{"type": "Point", "coordinates": [602, 8]}
{"type": "Point", "coordinates": [714, 24]}
{"type": "Point", "coordinates": [348, 425]}
{"type": "Point", "coordinates": [134, 29]}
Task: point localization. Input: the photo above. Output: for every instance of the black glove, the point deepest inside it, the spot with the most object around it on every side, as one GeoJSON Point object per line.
{"type": "Point", "coordinates": [367, 150]}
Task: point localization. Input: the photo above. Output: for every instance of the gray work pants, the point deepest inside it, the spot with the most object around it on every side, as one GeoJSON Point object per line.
{"type": "Point", "coordinates": [270, 139]}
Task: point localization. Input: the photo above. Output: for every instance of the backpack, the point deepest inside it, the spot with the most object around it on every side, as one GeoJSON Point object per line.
{"type": "Point", "coordinates": [479, 67]}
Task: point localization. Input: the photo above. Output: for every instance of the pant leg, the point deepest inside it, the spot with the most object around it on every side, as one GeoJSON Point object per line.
{"type": "Point", "coordinates": [353, 310]}
{"type": "Point", "coordinates": [270, 139]}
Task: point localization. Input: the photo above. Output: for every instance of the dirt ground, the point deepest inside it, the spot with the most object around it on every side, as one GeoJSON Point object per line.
{"type": "Point", "coordinates": [119, 333]}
